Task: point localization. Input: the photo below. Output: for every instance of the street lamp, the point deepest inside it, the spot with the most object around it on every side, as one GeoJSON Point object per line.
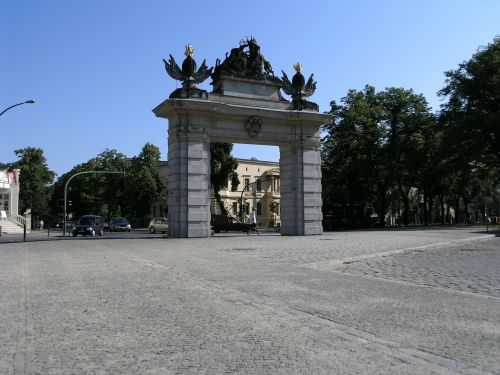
{"type": "Point", "coordinates": [31, 101]}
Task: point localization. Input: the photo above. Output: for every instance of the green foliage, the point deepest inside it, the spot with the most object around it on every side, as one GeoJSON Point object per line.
{"type": "Point", "coordinates": [385, 151]}
{"type": "Point", "coordinates": [408, 120]}
{"type": "Point", "coordinates": [375, 148]}
{"type": "Point", "coordinates": [145, 187]}
{"type": "Point", "coordinates": [470, 120]}
{"type": "Point", "coordinates": [351, 151]}
{"type": "Point", "coordinates": [35, 181]}
{"type": "Point", "coordinates": [94, 193]}
{"type": "Point", "coordinates": [472, 113]}
{"type": "Point", "coordinates": [222, 169]}
{"type": "Point", "coordinates": [130, 195]}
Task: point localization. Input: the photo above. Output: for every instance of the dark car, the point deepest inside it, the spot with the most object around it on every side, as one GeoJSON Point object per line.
{"type": "Point", "coordinates": [228, 223]}
{"type": "Point", "coordinates": [89, 225]}
{"type": "Point", "coordinates": [119, 224]}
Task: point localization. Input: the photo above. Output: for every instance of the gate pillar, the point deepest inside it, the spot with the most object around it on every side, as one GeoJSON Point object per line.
{"type": "Point", "coordinates": [188, 179]}
{"type": "Point", "coordinates": [300, 169]}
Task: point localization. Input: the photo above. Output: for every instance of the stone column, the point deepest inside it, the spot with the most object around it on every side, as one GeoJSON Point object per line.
{"type": "Point", "coordinates": [300, 178]}
{"type": "Point", "coordinates": [188, 178]}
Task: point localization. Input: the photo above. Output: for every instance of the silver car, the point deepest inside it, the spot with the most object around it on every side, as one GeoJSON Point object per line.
{"type": "Point", "coordinates": [158, 224]}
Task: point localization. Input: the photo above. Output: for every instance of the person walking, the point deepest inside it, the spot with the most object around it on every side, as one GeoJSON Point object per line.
{"type": "Point", "coordinates": [41, 224]}
{"type": "Point", "coordinates": [253, 222]}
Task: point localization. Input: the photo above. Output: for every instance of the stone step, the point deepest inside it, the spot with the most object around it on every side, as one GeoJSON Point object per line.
{"type": "Point", "coordinates": [9, 227]}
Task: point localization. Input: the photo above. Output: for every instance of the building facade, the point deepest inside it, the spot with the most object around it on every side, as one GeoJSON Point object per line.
{"type": "Point", "coordinates": [259, 188]}
{"type": "Point", "coordinates": [9, 192]}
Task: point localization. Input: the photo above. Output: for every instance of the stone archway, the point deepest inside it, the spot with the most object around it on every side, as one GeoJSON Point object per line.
{"type": "Point", "coordinates": [245, 107]}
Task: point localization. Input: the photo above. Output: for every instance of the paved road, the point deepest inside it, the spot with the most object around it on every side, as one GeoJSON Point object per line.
{"type": "Point", "coordinates": [365, 302]}
{"type": "Point", "coordinates": [53, 234]}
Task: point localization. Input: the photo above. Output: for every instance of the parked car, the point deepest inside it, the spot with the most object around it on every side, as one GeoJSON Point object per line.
{"type": "Point", "coordinates": [69, 224]}
{"type": "Point", "coordinates": [119, 224]}
{"type": "Point", "coordinates": [89, 225]}
{"type": "Point", "coordinates": [158, 224]}
{"type": "Point", "coordinates": [228, 223]}
{"type": "Point", "coordinates": [59, 223]}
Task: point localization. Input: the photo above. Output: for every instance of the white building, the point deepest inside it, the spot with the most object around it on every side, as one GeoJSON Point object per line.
{"type": "Point", "coordinates": [9, 192]}
{"type": "Point", "coordinates": [10, 220]}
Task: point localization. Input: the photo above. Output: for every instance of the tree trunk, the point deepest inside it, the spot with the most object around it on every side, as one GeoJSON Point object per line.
{"type": "Point", "coordinates": [441, 209]}
{"type": "Point", "coordinates": [430, 216]}
{"type": "Point", "coordinates": [406, 210]}
{"type": "Point", "coordinates": [465, 200]}
{"type": "Point", "coordinates": [220, 203]}
{"type": "Point", "coordinates": [406, 204]}
{"type": "Point", "coordinates": [457, 209]}
{"type": "Point", "coordinates": [382, 210]}
{"type": "Point", "coordinates": [426, 211]}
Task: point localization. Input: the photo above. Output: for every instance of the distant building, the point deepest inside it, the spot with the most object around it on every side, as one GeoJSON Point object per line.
{"type": "Point", "coordinates": [259, 188]}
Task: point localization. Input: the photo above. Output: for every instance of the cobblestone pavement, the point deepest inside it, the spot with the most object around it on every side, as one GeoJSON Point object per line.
{"type": "Point", "coordinates": [252, 305]}
{"type": "Point", "coordinates": [472, 267]}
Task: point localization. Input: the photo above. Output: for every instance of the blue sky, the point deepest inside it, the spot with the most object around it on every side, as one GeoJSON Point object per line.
{"type": "Point", "coordinates": [95, 67]}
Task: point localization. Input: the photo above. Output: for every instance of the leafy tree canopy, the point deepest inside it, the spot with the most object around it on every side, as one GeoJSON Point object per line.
{"type": "Point", "coordinates": [35, 181]}
{"type": "Point", "coordinates": [377, 143]}
{"type": "Point", "coordinates": [472, 112]}
{"type": "Point", "coordinates": [144, 185]}
{"type": "Point", "coordinates": [94, 193]}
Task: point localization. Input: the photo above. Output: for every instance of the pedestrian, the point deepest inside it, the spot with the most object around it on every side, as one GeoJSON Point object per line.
{"type": "Point", "coordinates": [41, 224]}
{"type": "Point", "coordinates": [253, 222]}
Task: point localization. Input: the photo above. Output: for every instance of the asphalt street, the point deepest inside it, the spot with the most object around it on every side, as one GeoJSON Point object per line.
{"type": "Point", "coordinates": [420, 301]}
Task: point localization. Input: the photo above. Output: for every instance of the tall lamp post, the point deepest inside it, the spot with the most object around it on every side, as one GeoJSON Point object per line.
{"type": "Point", "coordinates": [31, 101]}
{"type": "Point", "coordinates": [66, 190]}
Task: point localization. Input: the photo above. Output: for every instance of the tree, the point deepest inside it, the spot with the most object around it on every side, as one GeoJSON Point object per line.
{"type": "Point", "coordinates": [472, 112]}
{"type": "Point", "coordinates": [470, 120]}
{"type": "Point", "coordinates": [35, 181]}
{"type": "Point", "coordinates": [406, 117]}
{"type": "Point", "coordinates": [350, 154]}
{"type": "Point", "coordinates": [145, 187]}
{"type": "Point", "coordinates": [222, 170]}
{"type": "Point", "coordinates": [131, 194]}
{"type": "Point", "coordinates": [435, 169]}
{"type": "Point", "coordinates": [374, 152]}
{"type": "Point", "coordinates": [95, 193]}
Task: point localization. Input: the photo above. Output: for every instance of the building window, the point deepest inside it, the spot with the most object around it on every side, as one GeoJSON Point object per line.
{"type": "Point", "coordinates": [4, 204]}
{"type": "Point", "coordinates": [259, 208]}
{"type": "Point", "coordinates": [248, 208]}
{"type": "Point", "coordinates": [247, 182]}
{"type": "Point", "coordinates": [259, 185]}
{"type": "Point", "coordinates": [235, 207]}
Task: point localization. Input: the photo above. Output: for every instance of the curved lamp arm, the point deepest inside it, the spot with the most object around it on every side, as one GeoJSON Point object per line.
{"type": "Point", "coordinates": [31, 101]}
